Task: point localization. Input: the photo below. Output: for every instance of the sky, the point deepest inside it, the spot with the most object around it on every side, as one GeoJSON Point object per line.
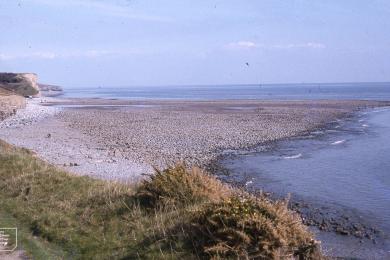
{"type": "Point", "coordinates": [89, 43]}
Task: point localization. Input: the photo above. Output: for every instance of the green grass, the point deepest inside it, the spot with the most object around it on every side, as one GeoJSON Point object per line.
{"type": "Point", "coordinates": [32, 247]}
{"type": "Point", "coordinates": [177, 213]}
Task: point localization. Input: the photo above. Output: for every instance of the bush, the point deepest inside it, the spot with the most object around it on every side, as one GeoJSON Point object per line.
{"type": "Point", "coordinates": [246, 227]}
{"type": "Point", "coordinates": [221, 222]}
{"type": "Point", "coordinates": [179, 185]}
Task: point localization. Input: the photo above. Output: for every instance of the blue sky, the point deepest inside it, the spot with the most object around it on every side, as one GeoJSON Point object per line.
{"type": "Point", "coordinates": [88, 43]}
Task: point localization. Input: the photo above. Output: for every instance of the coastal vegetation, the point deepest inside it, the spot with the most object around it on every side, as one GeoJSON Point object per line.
{"type": "Point", "coordinates": [23, 84]}
{"type": "Point", "coordinates": [178, 212]}
{"type": "Point", "coordinates": [9, 103]}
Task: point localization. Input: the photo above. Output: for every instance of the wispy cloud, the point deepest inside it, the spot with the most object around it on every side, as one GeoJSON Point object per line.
{"type": "Point", "coordinates": [242, 45]}
{"type": "Point", "coordinates": [51, 55]}
{"type": "Point", "coordinates": [116, 9]}
{"type": "Point", "coordinates": [34, 55]}
{"type": "Point", "coordinates": [249, 45]}
{"type": "Point", "coordinates": [308, 45]}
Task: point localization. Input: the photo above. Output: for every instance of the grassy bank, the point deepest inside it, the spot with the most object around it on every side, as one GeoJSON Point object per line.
{"type": "Point", "coordinates": [176, 213]}
{"type": "Point", "coordinates": [9, 103]}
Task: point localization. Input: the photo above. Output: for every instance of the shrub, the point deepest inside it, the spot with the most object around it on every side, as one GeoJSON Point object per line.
{"type": "Point", "coordinates": [179, 185]}
{"type": "Point", "coordinates": [246, 227]}
{"type": "Point", "coordinates": [221, 222]}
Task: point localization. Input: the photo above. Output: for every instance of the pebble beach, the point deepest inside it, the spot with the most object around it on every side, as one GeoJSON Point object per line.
{"type": "Point", "coordinates": [122, 140]}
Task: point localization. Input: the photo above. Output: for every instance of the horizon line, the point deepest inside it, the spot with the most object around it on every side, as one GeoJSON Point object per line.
{"type": "Point", "coordinates": [229, 84]}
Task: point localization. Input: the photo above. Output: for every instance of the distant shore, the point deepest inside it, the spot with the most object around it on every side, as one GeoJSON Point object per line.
{"type": "Point", "coordinates": [121, 139]}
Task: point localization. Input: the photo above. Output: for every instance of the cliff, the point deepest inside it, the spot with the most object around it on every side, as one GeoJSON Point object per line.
{"type": "Point", "coordinates": [23, 84]}
{"type": "Point", "coordinates": [49, 90]}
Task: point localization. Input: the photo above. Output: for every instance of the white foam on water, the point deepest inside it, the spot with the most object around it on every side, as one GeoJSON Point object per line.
{"type": "Point", "coordinates": [364, 125]}
{"type": "Point", "coordinates": [248, 183]}
{"type": "Point", "coordinates": [378, 110]}
{"type": "Point", "coordinates": [293, 156]}
{"type": "Point", "coordinates": [339, 142]}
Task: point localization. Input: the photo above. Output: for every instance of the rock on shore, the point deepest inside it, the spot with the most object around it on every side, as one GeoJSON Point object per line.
{"type": "Point", "coordinates": [197, 132]}
{"type": "Point", "coordinates": [31, 113]}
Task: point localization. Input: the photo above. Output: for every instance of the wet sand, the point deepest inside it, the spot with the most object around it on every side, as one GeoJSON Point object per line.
{"type": "Point", "coordinates": [121, 140]}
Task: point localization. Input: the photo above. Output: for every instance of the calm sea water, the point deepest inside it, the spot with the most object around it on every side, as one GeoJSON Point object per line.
{"type": "Point", "coordinates": [376, 91]}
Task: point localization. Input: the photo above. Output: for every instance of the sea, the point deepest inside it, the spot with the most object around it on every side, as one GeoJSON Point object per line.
{"type": "Point", "coordinates": [363, 91]}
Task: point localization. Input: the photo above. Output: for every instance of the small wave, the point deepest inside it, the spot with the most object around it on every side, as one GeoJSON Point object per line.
{"type": "Point", "coordinates": [379, 110]}
{"type": "Point", "coordinates": [248, 183]}
{"type": "Point", "coordinates": [338, 142]}
{"type": "Point", "coordinates": [293, 156]}
{"type": "Point", "coordinates": [364, 125]}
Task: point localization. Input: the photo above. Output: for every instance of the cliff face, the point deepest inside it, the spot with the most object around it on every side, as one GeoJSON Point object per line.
{"type": "Point", "coordinates": [23, 84]}
{"type": "Point", "coordinates": [46, 87]}
{"type": "Point", "coordinates": [46, 90]}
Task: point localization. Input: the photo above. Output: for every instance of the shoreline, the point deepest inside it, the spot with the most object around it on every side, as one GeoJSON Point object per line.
{"type": "Point", "coordinates": [269, 145]}
{"type": "Point", "coordinates": [342, 228]}
{"type": "Point", "coordinates": [197, 132]}
{"type": "Point", "coordinates": [104, 140]}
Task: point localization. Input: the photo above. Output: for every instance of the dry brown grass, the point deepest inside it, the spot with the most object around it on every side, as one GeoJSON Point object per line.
{"type": "Point", "coordinates": [9, 103]}
{"type": "Point", "coordinates": [178, 184]}
{"type": "Point", "coordinates": [247, 227]}
{"type": "Point", "coordinates": [218, 221]}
